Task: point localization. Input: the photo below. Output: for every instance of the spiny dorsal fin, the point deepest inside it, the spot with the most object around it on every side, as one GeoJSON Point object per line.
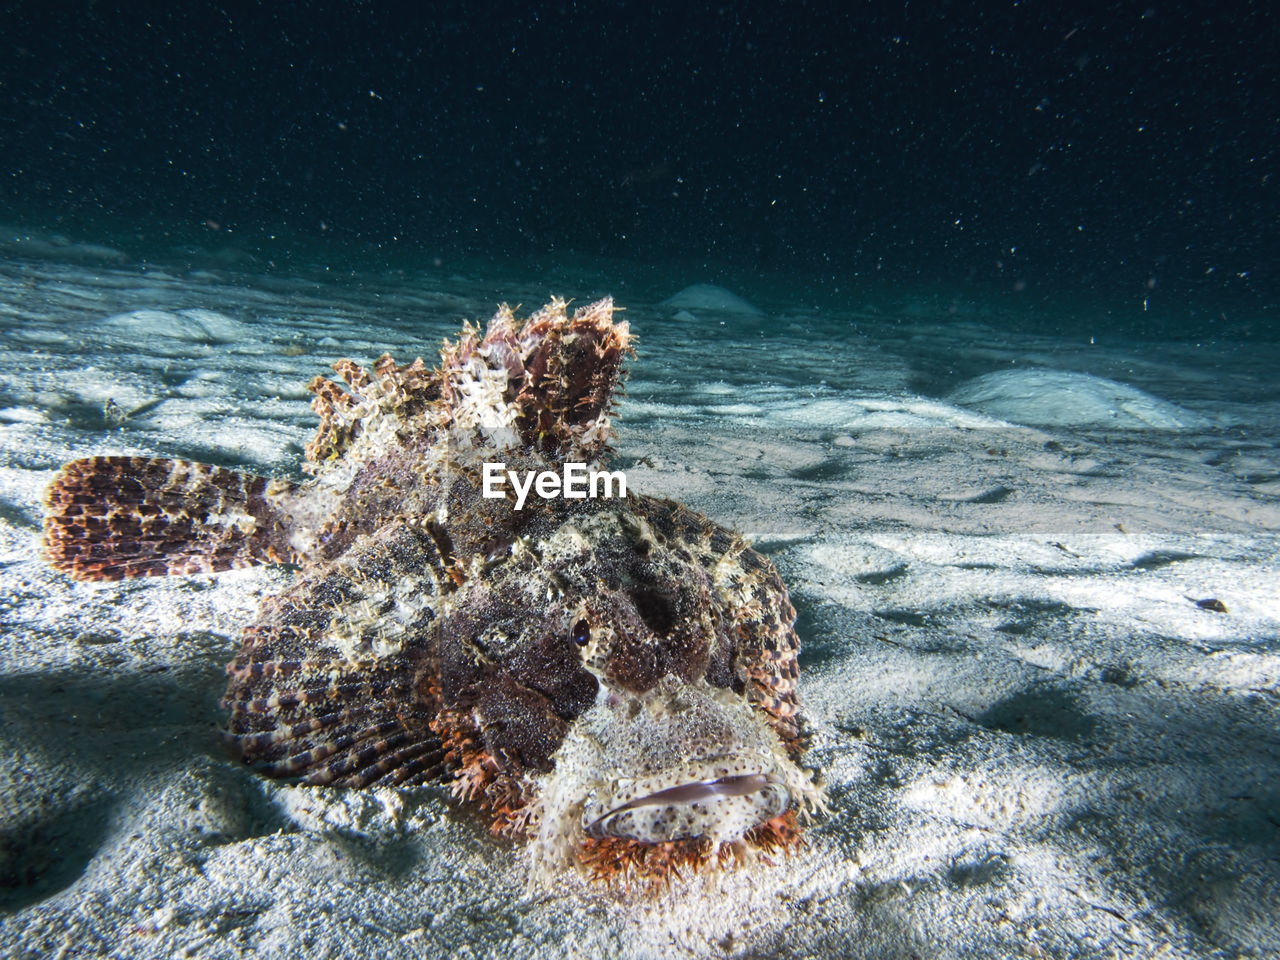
{"type": "Point", "coordinates": [392, 390]}
{"type": "Point", "coordinates": [563, 374]}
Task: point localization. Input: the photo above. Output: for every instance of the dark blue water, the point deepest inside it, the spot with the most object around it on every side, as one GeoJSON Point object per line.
{"type": "Point", "coordinates": [1117, 163]}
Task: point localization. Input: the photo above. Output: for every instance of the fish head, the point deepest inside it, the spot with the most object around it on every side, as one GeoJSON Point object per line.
{"type": "Point", "coordinates": [682, 774]}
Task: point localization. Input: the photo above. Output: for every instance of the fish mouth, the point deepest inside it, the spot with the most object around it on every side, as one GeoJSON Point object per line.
{"type": "Point", "coordinates": [684, 774]}
{"type": "Point", "coordinates": [718, 807]}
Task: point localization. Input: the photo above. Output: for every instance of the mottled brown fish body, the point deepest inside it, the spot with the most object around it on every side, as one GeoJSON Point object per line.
{"type": "Point", "coordinates": [614, 679]}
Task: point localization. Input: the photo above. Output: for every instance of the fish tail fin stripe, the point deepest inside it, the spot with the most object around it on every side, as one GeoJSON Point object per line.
{"type": "Point", "coordinates": [110, 518]}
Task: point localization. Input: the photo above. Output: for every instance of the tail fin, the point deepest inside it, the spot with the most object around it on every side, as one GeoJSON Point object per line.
{"type": "Point", "coordinates": [115, 517]}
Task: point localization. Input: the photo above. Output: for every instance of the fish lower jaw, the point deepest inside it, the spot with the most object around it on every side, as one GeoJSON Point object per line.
{"type": "Point", "coordinates": [716, 808]}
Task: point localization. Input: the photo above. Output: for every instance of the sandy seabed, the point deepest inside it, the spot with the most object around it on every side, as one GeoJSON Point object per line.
{"type": "Point", "coordinates": [1037, 736]}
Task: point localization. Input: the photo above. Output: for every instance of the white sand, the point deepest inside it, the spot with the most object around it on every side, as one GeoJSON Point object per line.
{"type": "Point", "coordinates": [1035, 743]}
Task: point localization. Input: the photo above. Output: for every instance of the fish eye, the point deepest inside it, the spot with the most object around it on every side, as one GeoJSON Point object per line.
{"type": "Point", "coordinates": [581, 633]}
